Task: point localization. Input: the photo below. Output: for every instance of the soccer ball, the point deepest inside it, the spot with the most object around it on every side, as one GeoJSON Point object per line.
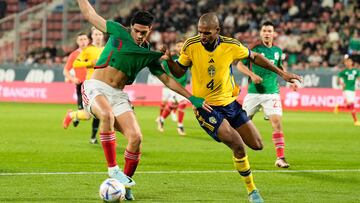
{"type": "Point", "coordinates": [111, 190]}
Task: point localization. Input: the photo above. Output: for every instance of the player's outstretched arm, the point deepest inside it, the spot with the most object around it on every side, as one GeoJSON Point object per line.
{"type": "Point", "coordinates": [68, 67]}
{"type": "Point", "coordinates": [260, 60]}
{"type": "Point", "coordinates": [175, 86]}
{"type": "Point", "coordinates": [243, 69]}
{"type": "Point", "coordinates": [340, 83]}
{"type": "Point", "coordinates": [90, 14]}
{"type": "Point", "coordinates": [174, 67]}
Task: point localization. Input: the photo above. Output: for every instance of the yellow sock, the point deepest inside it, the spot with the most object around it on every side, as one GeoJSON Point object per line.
{"type": "Point", "coordinates": [80, 115]}
{"type": "Point", "coordinates": [243, 167]}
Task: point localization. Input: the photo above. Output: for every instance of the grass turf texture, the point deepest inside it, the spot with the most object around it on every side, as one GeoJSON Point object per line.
{"type": "Point", "coordinates": [193, 168]}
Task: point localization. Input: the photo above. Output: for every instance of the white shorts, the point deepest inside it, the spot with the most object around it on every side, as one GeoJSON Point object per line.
{"type": "Point", "coordinates": [270, 103]}
{"type": "Point", "coordinates": [169, 95]}
{"type": "Point", "coordinates": [166, 94]}
{"type": "Point", "coordinates": [349, 96]}
{"type": "Point", "coordinates": [118, 99]}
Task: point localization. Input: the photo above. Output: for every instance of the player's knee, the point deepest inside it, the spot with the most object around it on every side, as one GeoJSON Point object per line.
{"type": "Point", "coordinates": [257, 145]}
{"type": "Point", "coordinates": [106, 117]}
{"type": "Point", "coordinates": [239, 150]}
{"type": "Point", "coordinates": [134, 137]}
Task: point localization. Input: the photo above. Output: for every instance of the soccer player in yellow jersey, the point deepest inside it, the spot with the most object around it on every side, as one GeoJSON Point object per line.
{"type": "Point", "coordinates": [79, 76]}
{"type": "Point", "coordinates": [87, 58]}
{"type": "Point", "coordinates": [210, 56]}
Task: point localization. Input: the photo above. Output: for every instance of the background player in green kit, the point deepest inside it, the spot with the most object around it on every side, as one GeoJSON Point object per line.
{"type": "Point", "coordinates": [125, 54]}
{"type": "Point", "coordinates": [347, 80]}
{"type": "Point", "coordinates": [265, 94]}
{"type": "Point", "coordinates": [175, 100]}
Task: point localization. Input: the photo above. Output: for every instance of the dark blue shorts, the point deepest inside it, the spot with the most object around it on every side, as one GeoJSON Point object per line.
{"type": "Point", "coordinates": [210, 122]}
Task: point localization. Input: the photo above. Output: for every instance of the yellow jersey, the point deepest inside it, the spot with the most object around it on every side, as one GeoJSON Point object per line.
{"type": "Point", "coordinates": [86, 58]}
{"type": "Point", "coordinates": [211, 71]}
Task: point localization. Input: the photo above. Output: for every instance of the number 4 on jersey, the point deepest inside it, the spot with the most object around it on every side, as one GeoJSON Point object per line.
{"type": "Point", "coordinates": [210, 85]}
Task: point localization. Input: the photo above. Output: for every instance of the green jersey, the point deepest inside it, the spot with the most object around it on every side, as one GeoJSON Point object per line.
{"type": "Point", "coordinates": [349, 77]}
{"type": "Point", "coordinates": [122, 53]}
{"type": "Point", "coordinates": [270, 84]}
{"type": "Point", "coordinates": [182, 80]}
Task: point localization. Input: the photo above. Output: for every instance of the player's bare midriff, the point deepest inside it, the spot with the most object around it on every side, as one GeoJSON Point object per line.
{"type": "Point", "coordinates": [110, 76]}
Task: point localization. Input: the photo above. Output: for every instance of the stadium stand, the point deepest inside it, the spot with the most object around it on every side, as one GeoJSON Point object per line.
{"type": "Point", "coordinates": [34, 47]}
{"type": "Point", "coordinates": [313, 34]}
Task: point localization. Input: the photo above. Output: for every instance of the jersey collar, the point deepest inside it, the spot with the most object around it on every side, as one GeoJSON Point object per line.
{"type": "Point", "coordinates": [213, 47]}
{"type": "Point", "coordinates": [145, 45]}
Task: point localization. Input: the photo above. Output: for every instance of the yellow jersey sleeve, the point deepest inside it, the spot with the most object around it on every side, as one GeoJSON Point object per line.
{"type": "Point", "coordinates": [86, 59]}
{"type": "Point", "coordinates": [240, 51]}
{"type": "Point", "coordinates": [186, 54]}
{"type": "Point", "coordinates": [184, 59]}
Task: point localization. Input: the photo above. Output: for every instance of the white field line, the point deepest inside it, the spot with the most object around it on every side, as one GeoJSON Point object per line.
{"type": "Point", "coordinates": [184, 172]}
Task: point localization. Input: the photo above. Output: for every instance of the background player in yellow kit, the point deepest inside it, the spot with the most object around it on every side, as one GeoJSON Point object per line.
{"type": "Point", "coordinates": [87, 58]}
{"type": "Point", "coordinates": [79, 76]}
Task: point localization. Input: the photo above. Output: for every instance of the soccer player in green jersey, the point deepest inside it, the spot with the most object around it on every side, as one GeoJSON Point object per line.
{"type": "Point", "coordinates": [210, 56]}
{"type": "Point", "coordinates": [175, 101]}
{"type": "Point", "coordinates": [347, 80]}
{"type": "Point", "coordinates": [265, 94]}
{"type": "Point", "coordinates": [125, 54]}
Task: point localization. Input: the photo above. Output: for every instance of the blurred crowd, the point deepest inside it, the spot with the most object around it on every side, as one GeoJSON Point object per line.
{"type": "Point", "coordinates": [312, 34]}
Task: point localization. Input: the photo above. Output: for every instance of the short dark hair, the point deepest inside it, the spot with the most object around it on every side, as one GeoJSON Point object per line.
{"type": "Point", "coordinates": [267, 23]}
{"type": "Point", "coordinates": [142, 18]}
{"type": "Point", "coordinates": [80, 33]}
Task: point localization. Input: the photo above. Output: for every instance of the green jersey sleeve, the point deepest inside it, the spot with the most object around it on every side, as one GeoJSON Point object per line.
{"type": "Point", "coordinates": [155, 68]}
{"type": "Point", "coordinates": [166, 67]}
{"type": "Point", "coordinates": [245, 62]}
{"type": "Point", "coordinates": [115, 28]}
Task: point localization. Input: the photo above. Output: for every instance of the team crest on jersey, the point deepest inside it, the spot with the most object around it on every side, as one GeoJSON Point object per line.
{"type": "Point", "coordinates": [211, 71]}
{"type": "Point", "coordinates": [212, 120]}
{"type": "Point", "coordinates": [276, 56]}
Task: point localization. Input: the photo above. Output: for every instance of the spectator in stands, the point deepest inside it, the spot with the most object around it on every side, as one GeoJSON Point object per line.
{"type": "Point", "coordinates": [22, 5]}
{"type": "Point", "coordinates": [30, 60]}
{"type": "Point", "coordinates": [335, 58]}
{"type": "Point", "coordinates": [301, 24]}
{"type": "Point", "coordinates": [315, 59]}
{"type": "Point", "coordinates": [3, 7]}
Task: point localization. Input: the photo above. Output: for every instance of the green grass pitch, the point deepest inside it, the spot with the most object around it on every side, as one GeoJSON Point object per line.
{"type": "Point", "coordinates": [42, 162]}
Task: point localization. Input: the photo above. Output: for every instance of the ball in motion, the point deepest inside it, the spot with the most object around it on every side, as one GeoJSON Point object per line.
{"type": "Point", "coordinates": [111, 190]}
